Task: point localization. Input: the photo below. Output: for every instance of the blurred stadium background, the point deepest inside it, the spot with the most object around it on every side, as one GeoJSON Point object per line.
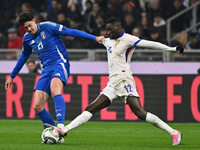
{"type": "Point", "coordinates": [167, 82]}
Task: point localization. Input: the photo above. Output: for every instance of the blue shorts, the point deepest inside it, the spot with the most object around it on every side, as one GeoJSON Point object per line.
{"type": "Point", "coordinates": [60, 70]}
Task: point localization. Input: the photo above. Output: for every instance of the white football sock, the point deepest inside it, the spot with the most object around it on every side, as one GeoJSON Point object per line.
{"type": "Point", "coordinates": [60, 125]}
{"type": "Point", "coordinates": [153, 119]}
{"type": "Point", "coordinates": [79, 120]}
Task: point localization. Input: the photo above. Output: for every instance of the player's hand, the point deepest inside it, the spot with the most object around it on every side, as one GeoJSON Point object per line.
{"type": "Point", "coordinates": [100, 39]}
{"type": "Point", "coordinates": [8, 83]}
{"type": "Point", "coordinates": [179, 49]}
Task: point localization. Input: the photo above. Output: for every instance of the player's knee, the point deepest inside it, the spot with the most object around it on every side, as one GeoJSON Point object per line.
{"type": "Point", "coordinates": [54, 92]}
{"type": "Point", "coordinates": [38, 108]}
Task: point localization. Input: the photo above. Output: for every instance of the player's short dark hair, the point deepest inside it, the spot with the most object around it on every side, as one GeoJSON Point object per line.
{"type": "Point", "coordinates": [113, 20]}
{"type": "Point", "coordinates": [24, 17]}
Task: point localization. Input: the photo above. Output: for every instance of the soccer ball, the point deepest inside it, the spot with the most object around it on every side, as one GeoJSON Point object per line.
{"type": "Point", "coordinates": [50, 136]}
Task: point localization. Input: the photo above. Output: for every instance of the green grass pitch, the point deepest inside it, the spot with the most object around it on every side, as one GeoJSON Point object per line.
{"type": "Point", "coordinates": [25, 135]}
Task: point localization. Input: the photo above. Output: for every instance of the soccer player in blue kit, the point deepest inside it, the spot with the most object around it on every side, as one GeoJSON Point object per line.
{"type": "Point", "coordinates": [44, 39]}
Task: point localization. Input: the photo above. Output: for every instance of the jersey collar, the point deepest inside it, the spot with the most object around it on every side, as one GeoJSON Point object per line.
{"type": "Point", "coordinates": [121, 35]}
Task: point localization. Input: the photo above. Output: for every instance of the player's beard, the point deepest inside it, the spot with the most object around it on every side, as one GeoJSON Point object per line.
{"type": "Point", "coordinates": [116, 35]}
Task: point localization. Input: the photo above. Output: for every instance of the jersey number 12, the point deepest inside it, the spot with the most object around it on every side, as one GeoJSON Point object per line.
{"type": "Point", "coordinates": [128, 88]}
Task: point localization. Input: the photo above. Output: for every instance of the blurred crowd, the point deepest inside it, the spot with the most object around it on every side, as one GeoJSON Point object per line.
{"type": "Point", "coordinates": [143, 18]}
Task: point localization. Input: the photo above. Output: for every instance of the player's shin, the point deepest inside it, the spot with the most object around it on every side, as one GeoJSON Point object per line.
{"type": "Point", "coordinates": [79, 120]}
{"type": "Point", "coordinates": [46, 117]}
{"type": "Point", "coordinates": [60, 109]}
{"type": "Point", "coordinates": [153, 119]}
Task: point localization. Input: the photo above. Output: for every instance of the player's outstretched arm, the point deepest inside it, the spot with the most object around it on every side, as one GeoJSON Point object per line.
{"type": "Point", "coordinates": [59, 29]}
{"type": "Point", "coordinates": [157, 45]}
{"type": "Point", "coordinates": [80, 34]}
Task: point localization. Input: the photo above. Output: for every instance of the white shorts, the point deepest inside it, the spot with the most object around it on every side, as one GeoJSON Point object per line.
{"type": "Point", "coordinates": [125, 87]}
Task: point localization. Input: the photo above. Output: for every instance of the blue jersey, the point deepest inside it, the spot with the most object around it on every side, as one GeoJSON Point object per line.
{"type": "Point", "coordinates": [48, 45]}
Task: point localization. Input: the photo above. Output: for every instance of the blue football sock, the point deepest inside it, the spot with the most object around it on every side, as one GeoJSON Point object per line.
{"type": "Point", "coordinates": [46, 117]}
{"type": "Point", "coordinates": [59, 108]}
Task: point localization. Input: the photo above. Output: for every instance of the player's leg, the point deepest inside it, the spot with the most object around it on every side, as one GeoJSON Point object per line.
{"type": "Point", "coordinates": [101, 102]}
{"type": "Point", "coordinates": [42, 92]}
{"type": "Point", "coordinates": [39, 106]}
{"type": "Point", "coordinates": [56, 89]}
{"type": "Point", "coordinates": [59, 78]}
{"type": "Point", "coordinates": [135, 106]}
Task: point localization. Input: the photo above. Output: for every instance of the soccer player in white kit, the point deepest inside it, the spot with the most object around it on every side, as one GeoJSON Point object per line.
{"type": "Point", "coordinates": [120, 47]}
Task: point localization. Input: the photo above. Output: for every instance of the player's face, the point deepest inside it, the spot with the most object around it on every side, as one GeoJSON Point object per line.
{"type": "Point", "coordinates": [31, 26]}
{"type": "Point", "coordinates": [113, 30]}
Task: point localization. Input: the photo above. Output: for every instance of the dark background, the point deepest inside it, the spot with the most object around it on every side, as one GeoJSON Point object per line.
{"type": "Point", "coordinates": [155, 97]}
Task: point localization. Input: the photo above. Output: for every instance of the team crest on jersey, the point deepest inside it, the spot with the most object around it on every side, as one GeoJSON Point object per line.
{"type": "Point", "coordinates": [43, 35]}
{"type": "Point", "coordinates": [117, 42]}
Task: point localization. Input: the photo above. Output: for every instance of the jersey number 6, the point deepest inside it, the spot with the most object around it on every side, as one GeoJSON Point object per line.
{"type": "Point", "coordinates": [40, 46]}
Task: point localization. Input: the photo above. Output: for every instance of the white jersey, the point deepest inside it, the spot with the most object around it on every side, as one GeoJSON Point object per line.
{"type": "Point", "coordinates": [119, 53]}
